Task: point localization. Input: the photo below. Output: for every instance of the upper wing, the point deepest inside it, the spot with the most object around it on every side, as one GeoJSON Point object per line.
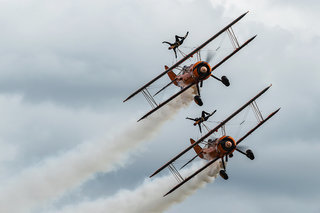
{"type": "Point", "coordinates": [211, 131]}
{"type": "Point", "coordinates": [186, 57]}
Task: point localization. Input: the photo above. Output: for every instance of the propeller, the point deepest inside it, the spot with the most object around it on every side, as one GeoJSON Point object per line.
{"type": "Point", "coordinates": [209, 57]}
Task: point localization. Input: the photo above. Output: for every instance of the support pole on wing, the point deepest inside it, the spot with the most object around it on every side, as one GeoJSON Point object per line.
{"type": "Point", "coordinates": [191, 176]}
{"type": "Point", "coordinates": [234, 52]}
{"type": "Point", "coordinates": [165, 102]}
{"type": "Point", "coordinates": [256, 127]}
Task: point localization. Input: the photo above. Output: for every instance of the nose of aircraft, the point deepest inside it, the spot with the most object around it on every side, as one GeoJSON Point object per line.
{"type": "Point", "coordinates": [228, 144]}
{"type": "Point", "coordinates": [203, 69]}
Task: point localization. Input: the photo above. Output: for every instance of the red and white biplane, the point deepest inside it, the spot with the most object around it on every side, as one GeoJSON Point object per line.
{"type": "Point", "coordinates": [193, 74]}
{"type": "Point", "coordinates": [217, 148]}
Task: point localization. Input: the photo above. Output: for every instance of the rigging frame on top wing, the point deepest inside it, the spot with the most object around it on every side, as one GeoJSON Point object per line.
{"type": "Point", "coordinates": [261, 121]}
{"type": "Point", "coordinates": [149, 97]}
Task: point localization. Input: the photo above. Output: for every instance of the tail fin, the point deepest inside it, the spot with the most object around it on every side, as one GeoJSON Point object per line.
{"type": "Point", "coordinates": [197, 148]}
{"type": "Point", "coordinates": [171, 75]}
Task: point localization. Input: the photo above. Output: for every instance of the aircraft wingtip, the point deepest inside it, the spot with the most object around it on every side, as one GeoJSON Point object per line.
{"type": "Point", "coordinates": [166, 194]}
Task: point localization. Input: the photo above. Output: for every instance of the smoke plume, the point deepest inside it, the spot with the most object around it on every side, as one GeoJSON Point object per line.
{"type": "Point", "coordinates": [148, 198]}
{"type": "Point", "coordinates": [53, 177]}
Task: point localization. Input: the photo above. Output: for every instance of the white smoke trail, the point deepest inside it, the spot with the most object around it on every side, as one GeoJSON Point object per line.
{"type": "Point", "coordinates": [147, 198]}
{"type": "Point", "coordinates": [40, 184]}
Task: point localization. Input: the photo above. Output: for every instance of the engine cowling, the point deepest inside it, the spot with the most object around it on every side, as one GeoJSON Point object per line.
{"type": "Point", "coordinates": [201, 70]}
{"type": "Point", "coordinates": [226, 145]}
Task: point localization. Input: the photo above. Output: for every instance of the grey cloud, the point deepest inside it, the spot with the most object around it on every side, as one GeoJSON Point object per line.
{"type": "Point", "coordinates": [74, 58]}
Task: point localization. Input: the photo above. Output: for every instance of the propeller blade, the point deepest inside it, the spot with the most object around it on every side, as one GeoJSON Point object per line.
{"type": "Point", "coordinates": [209, 57]}
{"type": "Point", "coordinates": [201, 83]}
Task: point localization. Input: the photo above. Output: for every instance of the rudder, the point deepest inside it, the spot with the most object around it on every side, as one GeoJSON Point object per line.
{"type": "Point", "coordinates": [171, 75]}
{"type": "Point", "coordinates": [197, 148]}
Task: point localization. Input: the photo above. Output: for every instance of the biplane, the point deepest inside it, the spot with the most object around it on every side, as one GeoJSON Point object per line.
{"type": "Point", "coordinates": [200, 121]}
{"type": "Point", "coordinates": [217, 148]}
{"type": "Point", "coordinates": [191, 75]}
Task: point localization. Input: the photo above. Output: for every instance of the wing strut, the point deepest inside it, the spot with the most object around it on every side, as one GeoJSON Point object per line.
{"type": "Point", "coordinates": [256, 111]}
{"type": "Point", "coordinates": [163, 103]}
{"type": "Point", "coordinates": [233, 38]}
{"type": "Point", "coordinates": [175, 173]}
{"type": "Point", "coordinates": [256, 127]}
{"type": "Point", "coordinates": [149, 98]}
{"type": "Point", "coordinates": [191, 176]}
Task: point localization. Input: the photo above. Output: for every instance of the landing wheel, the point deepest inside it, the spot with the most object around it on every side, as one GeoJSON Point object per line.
{"type": "Point", "coordinates": [250, 154]}
{"type": "Point", "coordinates": [223, 174]}
{"type": "Point", "coordinates": [198, 100]}
{"type": "Point", "coordinates": [225, 81]}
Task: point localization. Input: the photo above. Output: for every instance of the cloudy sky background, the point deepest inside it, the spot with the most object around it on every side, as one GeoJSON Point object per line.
{"type": "Point", "coordinates": [66, 66]}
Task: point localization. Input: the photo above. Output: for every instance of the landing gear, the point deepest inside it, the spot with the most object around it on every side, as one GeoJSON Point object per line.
{"type": "Point", "coordinates": [198, 100]}
{"type": "Point", "coordinates": [225, 81]}
{"type": "Point", "coordinates": [250, 154]}
{"type": "Point", "coordinates": [223, 174]}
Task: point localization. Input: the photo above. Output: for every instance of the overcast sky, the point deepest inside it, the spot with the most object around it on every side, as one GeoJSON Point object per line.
{"type": "Point", "coordinates": [66, 66]}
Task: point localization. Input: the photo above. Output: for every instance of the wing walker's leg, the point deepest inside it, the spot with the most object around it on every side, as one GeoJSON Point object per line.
{"type": "Point", "coordinates": [175, 52]}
